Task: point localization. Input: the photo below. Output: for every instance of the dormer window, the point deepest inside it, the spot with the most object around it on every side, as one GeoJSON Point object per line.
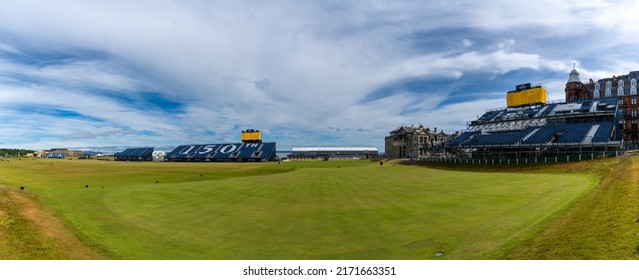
{"type": "Point", "coordinates": [608, 94]}
{"type": "Point", "coordinates": [608, 84]}
{"type": "Point", "coordinates": [633, 82]}
{"type": "Point", "coordinates": [597, 86]}
{"type": "Point", "coordinates": [620, 90]}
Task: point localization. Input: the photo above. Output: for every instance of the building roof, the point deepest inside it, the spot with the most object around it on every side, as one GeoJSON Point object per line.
{"type": "Point", "coordinates": [337, 149]}
{"type": "Point", "coordinates": [574, 76]}
{"type": "Point", "coordinates": [410, 129]}
{"type": "Point", "coordinates": [420, 129]}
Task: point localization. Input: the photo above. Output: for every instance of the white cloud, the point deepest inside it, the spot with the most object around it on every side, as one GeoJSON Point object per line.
{"type": "Point", "coordinates": [304, 65]}
{"type": "Point", "coordinates": [8, 48]}
{"type": "Point", "coordinates": [467, 43]}
{"type": "Point", "coordinates": [499, 61]}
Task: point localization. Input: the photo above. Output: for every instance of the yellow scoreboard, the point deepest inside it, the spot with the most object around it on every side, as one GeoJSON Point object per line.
{"type": "Point", "coordinates": [251, 135]}
{"type": "Point", "coordinates": [526, 95]}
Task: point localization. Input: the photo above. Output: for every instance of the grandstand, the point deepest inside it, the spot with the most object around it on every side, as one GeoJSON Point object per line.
{"type": "Point", "coordinates": [135, 154]}
{"type": "Point", "coordinates": [250, 150]}
{"type": "Point", "coordinates": [540, 128]}
{"type": "Point", "coordinates": [245, 151]}
{"type": "Point", "coordinates": [326, 153]}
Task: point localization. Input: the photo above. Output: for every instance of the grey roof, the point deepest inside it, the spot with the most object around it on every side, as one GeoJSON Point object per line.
{"type": "Point", "coordinates": [574, 76]}
{"type": "Point", "coordinates": [337, 149]}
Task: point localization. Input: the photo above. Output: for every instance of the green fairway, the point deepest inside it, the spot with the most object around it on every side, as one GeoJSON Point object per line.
{"type": "Point", "coordinates": [296, 210]}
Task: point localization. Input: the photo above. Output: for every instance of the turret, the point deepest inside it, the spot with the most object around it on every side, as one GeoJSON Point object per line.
{"type": "Point", "coordinates": [575, 89]}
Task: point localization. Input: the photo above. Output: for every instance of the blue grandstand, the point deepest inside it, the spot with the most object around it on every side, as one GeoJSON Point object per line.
{"type": "Point", "coordinates": [245, 151]}
{"type": "Point", "coordinates": [562, 125]}
{"type": "Point", "coordinates": [251, 149]}
{"type": "Point", "coordinates": [135, 154]}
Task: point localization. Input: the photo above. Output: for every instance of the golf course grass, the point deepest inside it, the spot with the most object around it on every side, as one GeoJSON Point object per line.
{"type": "Point", "coordinates": [296, 210]}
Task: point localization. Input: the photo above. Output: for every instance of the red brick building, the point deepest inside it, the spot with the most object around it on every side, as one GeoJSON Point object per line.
{"type": "Point", "coordinates": [623, 87]}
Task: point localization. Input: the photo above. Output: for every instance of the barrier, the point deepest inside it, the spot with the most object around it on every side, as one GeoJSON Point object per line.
{"type": "Point", "coordinates": [527, 160]}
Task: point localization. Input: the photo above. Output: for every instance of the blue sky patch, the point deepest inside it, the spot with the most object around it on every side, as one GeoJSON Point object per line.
{"type": "Point", "coordinates": [52, 111]}
{"type": "Point", "coordinates": [412, 85]}
{"type": "Point", "coordinates": [152, 101]}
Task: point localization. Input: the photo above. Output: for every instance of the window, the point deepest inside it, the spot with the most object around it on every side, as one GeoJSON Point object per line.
{"type": "Point", "coordinates": [597, 93]}
{"type": "Point", "coordinates": [633, 90]}
{"type": "Point", "coordinates": [620, 101]}
{"type": "Point", "coordinates": [597, 86]}
{"type": "Point", "coordinates": [633, 113]}
{"type": "Point", "coordinates": [608, 94]}
{"type": "Point", "coordinates": [608, 84]}
{"type": "Point", "coordinates": [620, 84]}
{"type": "Point", "coordinates": [620, 90]}
{"type": "Point", "coordinates": [634, 125]}
{"type": "Point", "coordinates": [633, 101]}
{"type": "Point", "coordinates": [633, 82]}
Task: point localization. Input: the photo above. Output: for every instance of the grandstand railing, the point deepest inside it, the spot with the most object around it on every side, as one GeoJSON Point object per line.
{"type": "Point", "coordinates": [632, 146]}
{"type": "Point", "coordinates": [471, 124]}
{"type": "Point", "coordinates": [518, 113]}
{"type": "Point", "coordinates": [559, 158]}
{"type": "Point", "coordinates": [527, 157]}
{"type": "Point", "coordinates": [609, 144]}
{"type": "Point", "coordinates": [558, 101]}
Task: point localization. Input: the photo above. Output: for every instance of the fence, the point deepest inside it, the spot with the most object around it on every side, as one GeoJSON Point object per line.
{"type": "Point", "coordinates": [559, 157]}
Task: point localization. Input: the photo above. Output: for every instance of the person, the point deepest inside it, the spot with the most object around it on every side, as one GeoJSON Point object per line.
{"type": "Point", "coordinates": [381, 164]}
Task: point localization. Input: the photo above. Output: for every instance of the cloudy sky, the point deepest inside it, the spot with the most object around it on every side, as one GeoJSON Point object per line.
{"type": "Point", "coordinates": [111, 74]}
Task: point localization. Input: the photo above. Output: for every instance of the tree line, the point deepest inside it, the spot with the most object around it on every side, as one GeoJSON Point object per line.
{"type": "Point", "coordinates": [14, 152]}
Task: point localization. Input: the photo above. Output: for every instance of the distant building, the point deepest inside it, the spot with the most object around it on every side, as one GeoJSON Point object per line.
{"type": "Point", "coordinates": [329, 153]}
{"type": "Point", "coordinates": [159, 155]}
{"type": "Point", "coordinates": [414, 142]}
{"type": "Point", "coordinates": [622, 87]}
{"type": "Point", "coordinates": [55, 155]}
{"type": "Point", "coordinates": [60, 153]}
